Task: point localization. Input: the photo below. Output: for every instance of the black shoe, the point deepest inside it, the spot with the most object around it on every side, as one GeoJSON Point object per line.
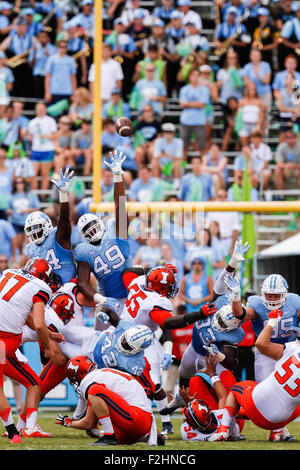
{"type": "Point", "coordinates": [106, 440]}
{"type": "Point", "coordinates": [167, 428]}
{"type": "Point", "coordinates": [161, 440]}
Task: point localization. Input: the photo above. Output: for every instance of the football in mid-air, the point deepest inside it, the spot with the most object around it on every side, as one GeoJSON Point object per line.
{"type": "Point", "coordinates": [124, 126]}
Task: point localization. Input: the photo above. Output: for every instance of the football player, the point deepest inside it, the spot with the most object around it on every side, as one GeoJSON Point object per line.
{"type": "Point", "coordinates": [116, 400]}
{"type": "Point", "coordinates": [53, 244]}
{"type": "Point", "coordinates": [274, 294]}
{"type": "Point", "coordinates": [149, 303]}
{"type": "Point", "coordinates": [274, 402]}
{"type": "Point", "coordinates": [105, 251]}
{"type": "Point", "coordinates": [23, 296]}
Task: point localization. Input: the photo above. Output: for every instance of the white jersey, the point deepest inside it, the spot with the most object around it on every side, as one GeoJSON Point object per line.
{"type": "Point", "coordinates": [71, 289]}
{"type": "Point", "coordinates": [188, 433]}
{"type": "Point", "coordinates": [18, 292]}
{"type": "Point", "coordinates": [119, 382]}
{"type": "Point", "coordinates": [281, 388]}
{"type": "Point", "coordinates": [140, 303]}
{"type": "Point", "coordinates": [51, 320]}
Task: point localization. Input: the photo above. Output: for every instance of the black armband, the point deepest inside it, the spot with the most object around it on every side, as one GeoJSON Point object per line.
{"type": "Point", "coordinates": [243, 315]}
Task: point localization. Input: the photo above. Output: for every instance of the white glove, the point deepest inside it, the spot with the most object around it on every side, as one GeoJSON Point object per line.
{"type": "Point", "coordinates": [166, 361]}
{"type": "Point", "coordinates": [233, 284]}
{"type": "Point", "coordinates": [63, 184]}
{"type": "Point", "coordinates": [238, 253]}
{"type": "Point", "coordinates": [115, 165]}
{"type": "Point", "coordinates": [99, 299]}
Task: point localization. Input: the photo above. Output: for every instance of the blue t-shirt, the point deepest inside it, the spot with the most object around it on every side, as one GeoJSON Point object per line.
{"type": "Point", "coordinates": [21, 201]}
{"type": "Point", "coordinates": [41, 55]}
{"type": "Point", "coordinates": [194, 116]}
{"type": "Point", "coordinates": [148, 89]}
{"type": "Point", "coordinates": [264, 68]}
{"type": "Point", "coordinates": [140, 191]}
{"type": "Point", "coordinates": [7, 232]}
{"type": "Point", "coordinates": [195, 290]}
{"type": "Point", "coordinates": [61, 70]}
{"type": "Point", "coordinates": [173, 148]}
{"type": "Point", "coordinates": [196, 188]}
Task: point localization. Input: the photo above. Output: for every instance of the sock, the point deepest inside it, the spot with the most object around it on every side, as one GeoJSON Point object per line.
{"type": "Point", "coordinates": [106, 424]}
{"type": "Point", "coordinates": [160, 405]}
{"type": "Point", "coordinates": [31, 417]}
{"type": "Point", "coordinates": [8, 422]}
{"type": "Point", "coordinates": [21, 422]}
{"type": "Point", "coordinates": [228, 415]}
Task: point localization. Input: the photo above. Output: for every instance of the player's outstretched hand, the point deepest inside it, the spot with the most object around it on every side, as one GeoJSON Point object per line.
{"type": "Point", "coordinates": [185, 394]}
{"type": "Point", "coordinates": [214, 352]}
{"type": "Point", "coordinates": [166, 361]}
{"type": "Point", "coordinates": [116, 161]}
{"type": "Point", "coordinates": [208, 309]}
{"type": "Point", "coordinates": [63, 420]}
{"type": "Point", "coordinates": [64, 181]}
{"type": "Point", "coordinates": [239, 251]}
{"type": "Point", "coordinates": [275, 317]}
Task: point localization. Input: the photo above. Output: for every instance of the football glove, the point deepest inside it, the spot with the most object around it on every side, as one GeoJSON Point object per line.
{"type": "Point", "coordinates": [166, 361]}
{"type": "Point", "coordinates": [233, 284]}
{"type": "Point", "coordinates": [115, 163]}
{"type": "Point", "coordinates": [63, 184]}
{"type": "Point", "coordinates": [63, 420]}
{"type": "Point", "coordinates": [213, 351]}
{"type": "Point", "coordinates": [240, 250]}
{"type": "Point", "coordinates": [275, 317]}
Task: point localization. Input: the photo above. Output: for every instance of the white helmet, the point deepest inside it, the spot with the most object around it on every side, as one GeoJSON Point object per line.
{"type": "Point", "coordinates": [37, 227]}
{"type": "Point", "coordinates": [136, 338]}
{"type": "Point", "coordinates": [91, 227]}
{"type": "Point", "coordinates": [224, 320]}
{"type": "Point", "coordinates": [274, 284]}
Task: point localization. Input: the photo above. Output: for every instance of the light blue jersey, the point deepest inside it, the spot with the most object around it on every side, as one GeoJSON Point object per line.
{"type": "Point", "coordinates": [60, 259]}
{"type": "Point", "coordinates": [282, 332]}
{"type": "Point", "coordinates": [107, 261]}
{"type": "Point", "coordinates": [204, 335]}
{"type": "Point", "coordinates": [106, 354]}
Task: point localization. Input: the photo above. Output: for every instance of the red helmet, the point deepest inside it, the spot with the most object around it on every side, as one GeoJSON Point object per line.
{"type": "Point", "coordinates": [63, 305]}
{"type": "Point", "coordinates": [39, 268]}
{"type": "Point", "coordinates": [199, 416]}
{"type": "Point", "coordinates": [78, 367]}
{"type": "Point", "coordinates": [162, 281]}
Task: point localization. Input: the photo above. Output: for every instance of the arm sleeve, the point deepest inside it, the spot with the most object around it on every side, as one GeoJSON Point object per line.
{"type": "Point", "coordinates": [160, 315]}
{"type": "Point", "coordinates": [41, 296]}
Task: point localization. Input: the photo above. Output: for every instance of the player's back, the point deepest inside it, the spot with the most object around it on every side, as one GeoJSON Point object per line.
{"type": "Point", "coordinates": [140, 302]}
{"type": "Point", "coordinates": [17, 292]}
{"type": "Point", "coordinates": [278, 395]}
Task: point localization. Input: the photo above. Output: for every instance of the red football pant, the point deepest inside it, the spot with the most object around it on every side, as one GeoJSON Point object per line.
{"type": "Point", "coordinates": [21, 372]}
{"type": "Point", "coordinates": [130, 423]}
{"type": "Point", "coordinates": [9, 343]}
{"type": "Point", "coordinates": [51, 376]}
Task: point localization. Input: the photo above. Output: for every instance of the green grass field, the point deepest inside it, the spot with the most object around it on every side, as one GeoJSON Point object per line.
{"type": "Point", "coordinates": [70, 439]}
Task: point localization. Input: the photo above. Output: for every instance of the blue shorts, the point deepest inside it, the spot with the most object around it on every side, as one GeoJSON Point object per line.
{"type": "Point", "coordinates": [43, 157]}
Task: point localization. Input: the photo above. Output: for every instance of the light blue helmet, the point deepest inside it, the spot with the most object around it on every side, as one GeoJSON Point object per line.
{"type": "Point", "coordinates": [37, 227]}
{"type": "Point", "coordinates": [135, 339]}
{"type": "Point", "coordinates": [224, 320]}
{"type": "Point", "coordinates": [274, 284]}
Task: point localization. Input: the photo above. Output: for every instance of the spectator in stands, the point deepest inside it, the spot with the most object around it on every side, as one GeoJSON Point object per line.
{"type": "Point", "coordinates": [264, 35]}
{"type": "Point", "coordinates": [228, 223]}
{"type": "Point", "coordinates": [215, 163]}
{"type": "Point", "coordinates": [6, 179]}
{"type": "Point", "coordinates": [168, 258]}
{"type": "Point", "coordinates": [81, 151]}
{"type": "Point", "coordinates": [287, 158]}
{"type": "Point", "coordinates": [143, 187]}
{"type": "Point", "coordinates": [6, 80]}
{"type": "Point", "coordinates": [23, 201]}
{"type": "Point", "coordinates": [60, 75]}
{"type": "Point", "coordinates": [6, 23]}
{"type": "Point", "coordinates": [37, 58]}
{"type": "Point", "coordinates": [116, 107]}
{"type": "Point", "coordinates": [235, 191]}
{"type": "Point", "coordinates": [63, 143]}
{"type": "Point", "coordinates": [251, 114]}
{"type": "Point", "coordinates": [152, 55]}
{"type": "Point", "coordinates": [42, 134]}
{"type": "Point", "coordinates": [193, 40]}
{"type": "Point", "coordinates": [191, 62]}
{"type": "Point", "coordinates": [196, 287]}
{"type": "Point", "coordinates": [189, 15]}
{"type": "Point", "coordinates": [146, 131]}
{"type": "Point", "coordinates": [167, 154]}
{"type": "Point", "coordinates": [196, 185]}
{"type": "Point", "coordinates": [20, 165]}
{"type": "Point", "coordinates": [149, 90]}
{"type": "Point", "coordinates": [229, 79]}
{"type": "Point", "coordinates": [107, 185]}
{"type": "Point", "coordinates": [175, 28]}
{"type": "Point", "coordinates": [259, 72]}
{"type": "Point", "coordinates": [216, 241]}
{"type": "Point", "coordinates": [178, 230]}
{"type": "Point", "coordinates": [290, 33]}
{"type": "Point", "coordinates": [207, 79]}
{"type": "Point", "coordinates": [139, 30]}
{"type": "Point", "coordinates": [164, 11]}
{"type": "Point", "coordinates": [230, 113]}
{"type": "Point", "coordinates": [129, 10]}
{"type": "Point", "coordinates": [8, 241]}
{"type": "Point", "coordinates": [10, 131]}
{"type": "Point", "coordinates": [193, 98]}
{"type": "Point", "coordinates": [86, 17]}
{"type": "Point", "coordinates": [111, 74]}
{"type": "Point", "coordinates": [149, 254]}
{"type": "Point", "coordinates": [33, 27]}
{"type": "Point", "coordinates": [202, 248]}
{"type": "Point", "coordinates": [18, 115]}
{"type": "Point", "coordinates": [279, 82]}
{"type": "Point", "coordinates": [75, 45]}
{"type": "Point", "coordinates": [288, 105]}
{"type": "Point", "coordinates": [55, 22]}
{"type": "Point", "coordinates": [81, 106]}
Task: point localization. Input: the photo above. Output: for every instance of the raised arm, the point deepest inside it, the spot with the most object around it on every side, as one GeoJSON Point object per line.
{"type": "Point", "coordinates": [64, 228]}
{"type": "Point", "coordinates": [263, 342]}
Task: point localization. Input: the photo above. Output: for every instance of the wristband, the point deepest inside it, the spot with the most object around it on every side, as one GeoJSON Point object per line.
{"type": "Point", "coordinates": [63, 196]}
{"type": "Point", "coordinates": [214, 378]}
{"type": "Point", "coordinates": [99, 299]}
{"type": "Point", "coordinates": [243, 315]}
{"type": "Point", "coordinates": [220, 357]}
{"type": "Point", "coordinates": [236, 297]}
{"type": "Point", "coordinates": [118, 178]}
{"type": "Point", "coordinates": [168, 347]}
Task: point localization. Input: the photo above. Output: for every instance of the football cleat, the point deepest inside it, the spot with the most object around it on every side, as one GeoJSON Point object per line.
{"type": "Point", "coordinates": [36, 431]}
{"type": "Point", "coordinates": [177, 402]}
{"type": "Point", "coordinates": [167, 428]}
{"type": "Point", "coordinates": [106, 440]}
{"type": "Point", "coordinates": [16, 439]}
{"type": "Point", "coordinates": [161, 439]}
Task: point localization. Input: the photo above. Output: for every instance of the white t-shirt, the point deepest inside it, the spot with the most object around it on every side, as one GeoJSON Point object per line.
{"type": "Point", "coordinates": [111, 72]}
{"type": "Point", "coordinates": [38, 126]}
{"type": "Point", "coordinates": [192, 17]}
{"type": "Point", "coordinates": [228, 222]}
{"type": "Point", "coordinates": [261, 155]}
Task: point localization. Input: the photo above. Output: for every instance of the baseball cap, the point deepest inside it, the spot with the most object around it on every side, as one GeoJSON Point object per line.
{"type": "Point", "coordinates": [200, 259]}
{"type": "Point", "coordinates": [295, 6]}
{"type": "Point", "coordinates": [87, 2]}
{"type": "Point", "coordinates": [176, 14]}
{"type": "Point", "coordinates": [138, 13]}
{"type": "Point", "coordinates": [182, 3]}
{"type": "Point", "coordinates": [168, 127]}
{"type": "Point", "coordinates": [232, 11]}
{"type": "Point", "coordinates": [205, 68]}
{"type": "Point", "coordinates": [116, 91]}
{"type": "Point", "coordinates": [118, 21]}
{"type": "Point", "coordinates": [27, 11]}
{"type": "Point", "coordinates": [158, 22]}
{"type": "Point", "coordinates": [5, 6]}
{"type": "Point", "coordinates": [263, 11]}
